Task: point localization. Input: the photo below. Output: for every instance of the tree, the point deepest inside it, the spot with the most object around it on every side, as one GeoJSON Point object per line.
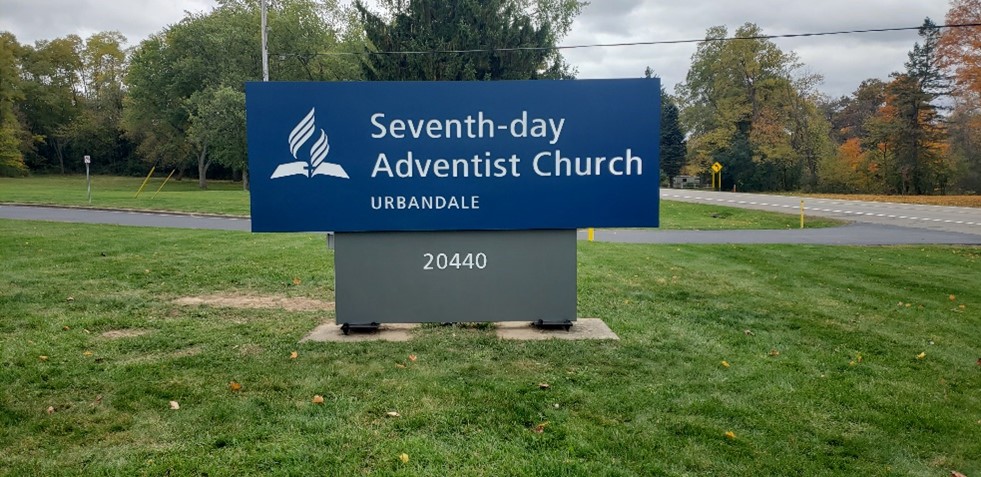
{"type": "Point", "coordinates": [909, 127]}
{"type": "Point", "coordinates": [745, 108]}
{"type": "Point", "coordinates": [849, 115]}
{"type": "Point", "coordinates": [181, 81]}
{"type": "Point", "coordinates": [441, 25]}
{"type": "Point", "coordinates": [217, 117]}
{"type": "Point", "coordinates": [925, 64]}
{"type": "Point", "coordinates": [52, 94]}
{"type": "Point", "coordinates": [11, 157]}
{"type": "Point", "coordinates": [673, 144]}
{"type": "Point", "coordinates": [959, 49]}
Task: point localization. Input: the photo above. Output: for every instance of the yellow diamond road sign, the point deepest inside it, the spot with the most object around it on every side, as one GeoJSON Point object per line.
{"type": "Point", "coordinates": [716, 167]}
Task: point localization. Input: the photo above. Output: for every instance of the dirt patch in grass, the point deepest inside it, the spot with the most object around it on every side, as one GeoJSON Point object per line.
{"type": "Point", "coordinates": [161, 357]}
{"type": "Point", "coordinates": [949, 200]}
{"type": "Point", "coordinates": [233, 300]}
{"type": "Point", "coordinates": [125, 333]}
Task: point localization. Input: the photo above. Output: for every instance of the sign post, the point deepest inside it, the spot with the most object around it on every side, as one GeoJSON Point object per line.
{"type": "Point", "coordinates": [88, 180]}
{"type": "Point", "coordinates": [454, 201]}
{"type": "Point", "coordinates": [717, 176]}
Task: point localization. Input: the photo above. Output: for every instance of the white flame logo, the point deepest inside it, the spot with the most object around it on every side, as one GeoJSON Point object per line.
{"type": "Point", "coordinates": [303, 131]}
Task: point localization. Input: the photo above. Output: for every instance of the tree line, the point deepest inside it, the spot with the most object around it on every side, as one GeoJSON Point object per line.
{"type": "Point", "coordinates": [177, 99]}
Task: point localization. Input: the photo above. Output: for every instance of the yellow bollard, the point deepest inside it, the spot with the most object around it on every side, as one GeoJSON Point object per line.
{"type": "Point", "coordinates": [162, 185]}
{"type": "Point", "coordinates": [802, 213]}
{"type": "Point", "coordinates": [590, 234]}
{"type": "Point", "coordinates": [144, 182]}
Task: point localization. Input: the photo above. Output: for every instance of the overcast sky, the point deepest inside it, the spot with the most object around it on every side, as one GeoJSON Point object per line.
{"type": "Point", "coordinates": [843, 60]}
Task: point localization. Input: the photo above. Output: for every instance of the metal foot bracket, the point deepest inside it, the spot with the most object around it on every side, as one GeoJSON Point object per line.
{"type": "Point", "coordinates": [552, 324]}
{"type": "Point", "coordinates": [347, 328]}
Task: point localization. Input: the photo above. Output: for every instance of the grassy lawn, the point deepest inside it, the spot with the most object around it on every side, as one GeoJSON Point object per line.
{"type": "Point", "coordinates": [228, 198]}
{"type": "Point", "coordinates": [689, 216]}
{"type": "Point", "coordinates": [821, 345]}
{"type": "Point", "coordinates": [221, 197]}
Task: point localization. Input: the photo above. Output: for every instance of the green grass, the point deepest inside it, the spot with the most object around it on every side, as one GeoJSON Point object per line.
{"type": "Point", "coordinates": [228, 198]}
{"type": "Point", "coordinates": [657, 402]}
{"type": "Point", "coordinates": [112, 192]}
{"type": "Point", "coordinates": [689, 216]}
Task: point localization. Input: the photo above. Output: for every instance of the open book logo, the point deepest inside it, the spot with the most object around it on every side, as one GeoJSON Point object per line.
{"type": "Point", "coordinates": [318, 152]}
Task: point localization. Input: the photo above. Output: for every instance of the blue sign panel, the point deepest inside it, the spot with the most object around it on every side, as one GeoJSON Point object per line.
{"type": "Point", "coordinates": [482, 155]}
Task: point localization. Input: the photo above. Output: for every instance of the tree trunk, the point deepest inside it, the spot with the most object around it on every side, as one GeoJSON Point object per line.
{"type": "Point", "coordinates": [203, 165]}
{"type": "Point", "coordinates": [245, 179]}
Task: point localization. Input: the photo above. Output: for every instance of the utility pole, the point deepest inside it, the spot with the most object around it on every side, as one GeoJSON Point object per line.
{"type": "Point", "coordinates": [265, 51]}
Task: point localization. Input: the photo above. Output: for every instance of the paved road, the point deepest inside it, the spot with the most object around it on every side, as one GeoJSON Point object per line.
{"type": "Point", "coordinates": [853, 234]}
{"type": "Point", "coordinates": [118, 217]}
{"type": "Point", "coordinates": [965, 220]}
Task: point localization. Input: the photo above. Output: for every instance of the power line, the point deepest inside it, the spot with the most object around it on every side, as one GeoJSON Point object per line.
{"type": "Point", "coordinates": [638, 43]}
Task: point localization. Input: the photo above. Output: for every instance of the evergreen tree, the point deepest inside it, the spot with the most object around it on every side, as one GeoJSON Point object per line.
{"type": "Point", "coordinates": [673, 143]}
{"type": "Point", "coordinates": [430, 28]}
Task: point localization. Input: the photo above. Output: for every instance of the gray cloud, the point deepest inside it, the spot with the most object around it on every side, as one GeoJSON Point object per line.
{"type": "Point", "coordinates": [32, 20]}
{"type": "Point", "coordinates": [844, 60]}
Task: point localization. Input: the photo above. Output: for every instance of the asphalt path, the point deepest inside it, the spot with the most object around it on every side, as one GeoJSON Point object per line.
{"type": "Point", "coordinates": [852, 234]}
{"type": "Point", "coordinates": [123, 217]}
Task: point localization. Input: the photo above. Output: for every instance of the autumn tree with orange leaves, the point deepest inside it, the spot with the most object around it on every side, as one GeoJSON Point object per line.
{"type": "Point", "coordinates": [906, 139]}
{"type": "Point", "coordinates": [959, 51]}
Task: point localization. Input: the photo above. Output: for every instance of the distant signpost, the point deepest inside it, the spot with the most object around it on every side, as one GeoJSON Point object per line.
{"type": "Point", "coordinates": [88, 181]}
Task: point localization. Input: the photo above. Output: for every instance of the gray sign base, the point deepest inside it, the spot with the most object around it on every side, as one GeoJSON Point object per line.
{"type": "Point", "coordinates": [450, 277]}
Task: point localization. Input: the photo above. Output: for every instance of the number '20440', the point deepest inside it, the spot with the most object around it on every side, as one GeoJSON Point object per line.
{"type": "Point", "coordinates": [454, 261]}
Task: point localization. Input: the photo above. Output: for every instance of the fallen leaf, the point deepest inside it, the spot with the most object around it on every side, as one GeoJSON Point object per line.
{"type": "Point", "coordinates": [293, 355]}
{"type": "Point", "coordinates": [86, 331]}
{"type": "Point", "coordinates": [174, 405]}
{"type": "Point", "coordinates": [51, 409]}
{"type": "Point", "coordinates": [748, 332]}
{"type": "Point", "coordinates": [543, 386]}
{"type": "Point", "coordinates": [318, 399]}
{"type": "Point", "coordinates": [66, 328]}
{"type": "Point", "coordinates": [979, 361]}
{"type": "Point", "coordinates": [412, 357]}
{"type": "Point", "coordinates": [404, 458]}
{"type": "Point", "coordinates": [725, 364]}
{"type": "Point", "coordinates": [399, 365]}
{"type": "Point", "coordinates": [730, 435]}
{"type": "Point", "coordinates": [540, 428]}
{"type": "Point", "coordinates": [234, 386]}
{"type": "Point", "coordinates": [71, 299]}
{"type": "Point", "coordinates": [98, 400]}
{"type": "Point", "coordinates": [858, 357]}
{"type": "Point", "coordinates": [296, 280]}
{"type": "Point", "coordinates": [393, 414]}
{"type": "Point", "coordinates": [851, 363]}
{"type": "Point", "coordinates": [42, 357]}
{"type": "Point", "coordinates": [955, 473]}
{"type": "Point", "coordinates": [87, 353]}
{"type": "Point", "coordinates": [953, 297]}
{"type": "Point", "coordinates": [921, 355]}
{"type": "Point", "coordinates": [962, 307]}
{"type": "Point", "coordinates": [774, 352]}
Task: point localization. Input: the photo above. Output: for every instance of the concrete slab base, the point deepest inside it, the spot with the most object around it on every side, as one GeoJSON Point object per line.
{"type": "Point", "coordinates": [583, 329]}
{"type": "Point", "coordinates": [331, 332]}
